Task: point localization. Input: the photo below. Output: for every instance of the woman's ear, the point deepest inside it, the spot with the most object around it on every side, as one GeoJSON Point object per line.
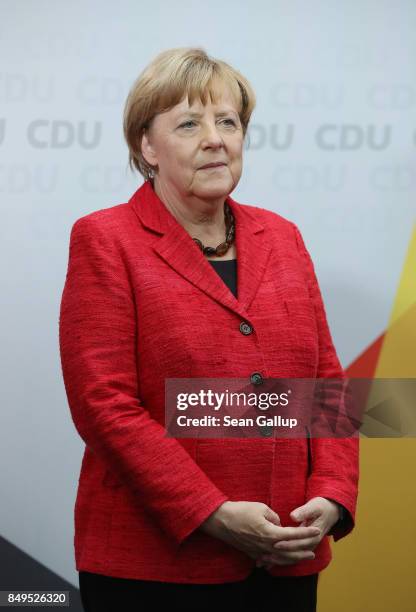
{"type": "Point", "coordinates": [147, 149]}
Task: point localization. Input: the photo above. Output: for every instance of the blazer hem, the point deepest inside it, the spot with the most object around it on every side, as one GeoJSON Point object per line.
{"type": "Point", "coordinates": [222, 575]}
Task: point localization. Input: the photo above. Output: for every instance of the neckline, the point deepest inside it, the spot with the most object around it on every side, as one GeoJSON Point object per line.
{"type": "Point", "coordinates": [222, 261]}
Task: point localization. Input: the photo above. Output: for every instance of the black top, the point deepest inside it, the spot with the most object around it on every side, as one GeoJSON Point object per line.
{"type": "Point", "coordinates": [227, 270]}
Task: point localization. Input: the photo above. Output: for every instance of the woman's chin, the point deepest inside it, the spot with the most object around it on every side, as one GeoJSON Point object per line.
{"type": "Point", "coordinates": [214, 189]}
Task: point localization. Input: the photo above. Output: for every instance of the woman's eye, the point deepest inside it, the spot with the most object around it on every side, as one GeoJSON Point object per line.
{"type": "Point", "coordinates": [190, 123]}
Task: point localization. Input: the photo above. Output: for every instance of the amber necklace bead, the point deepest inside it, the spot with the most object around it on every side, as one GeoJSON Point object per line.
{"type": "Point", "coordinates": [223, 247]}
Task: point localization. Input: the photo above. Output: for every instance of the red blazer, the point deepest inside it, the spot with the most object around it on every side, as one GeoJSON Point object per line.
{"type": "Point", "coordinates": [141, 304]}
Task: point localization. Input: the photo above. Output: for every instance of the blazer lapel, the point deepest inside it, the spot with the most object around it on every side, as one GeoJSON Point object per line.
{"type": "Point", "coordinates": [180, 252]}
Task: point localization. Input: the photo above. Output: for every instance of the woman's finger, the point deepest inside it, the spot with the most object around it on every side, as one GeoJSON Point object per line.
{"type": "Point", "coordinates": [298, 533]}
{"type": "Point", "coordinates": [294, 545]}
{"type": "Point", "coordinates": [282, 558]}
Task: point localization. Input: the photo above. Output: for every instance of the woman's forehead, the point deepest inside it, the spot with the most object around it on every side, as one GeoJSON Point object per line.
{"type": "Point", "coordinates": [224, 102]}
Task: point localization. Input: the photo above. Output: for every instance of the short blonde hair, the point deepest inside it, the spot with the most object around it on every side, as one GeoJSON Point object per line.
{"type": "Point", "coordinates": [166, 81]}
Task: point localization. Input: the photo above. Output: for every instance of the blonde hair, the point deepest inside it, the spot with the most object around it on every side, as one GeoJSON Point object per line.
{"type": "Point", "coordinates": [165, 82]}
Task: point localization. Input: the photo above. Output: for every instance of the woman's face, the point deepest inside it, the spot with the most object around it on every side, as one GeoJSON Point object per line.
{"type": "Point", "coordinates": [182, 140]}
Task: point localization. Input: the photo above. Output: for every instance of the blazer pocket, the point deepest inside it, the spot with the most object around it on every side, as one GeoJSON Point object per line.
{"type": "Point", "coordinates": [301, 311]}
{"type": "Point", "coordinates": [110, 480]}
{"type": "Point", "coordinates": [302, 330]}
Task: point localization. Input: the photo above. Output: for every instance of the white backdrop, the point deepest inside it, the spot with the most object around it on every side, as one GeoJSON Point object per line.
{"type": "Point", "coordinates": [332, 147]}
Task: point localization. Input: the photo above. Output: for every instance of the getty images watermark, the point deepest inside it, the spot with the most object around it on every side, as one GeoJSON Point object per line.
{"type": "Point", "coordinates": [289, 408]}
{"type": "Point", "coordinates": [227, 400]}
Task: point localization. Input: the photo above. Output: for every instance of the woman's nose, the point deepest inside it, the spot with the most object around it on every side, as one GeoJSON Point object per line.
{"type": "Point", "coordinates": [211, 136]}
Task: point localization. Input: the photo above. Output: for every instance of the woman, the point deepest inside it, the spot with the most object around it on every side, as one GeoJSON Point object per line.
{"type": "Point", "coordinates": [184, 282]}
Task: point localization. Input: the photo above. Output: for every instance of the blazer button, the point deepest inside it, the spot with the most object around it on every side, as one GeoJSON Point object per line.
{"type": "Point", "coordinates": [246, 328]}
{"type": "Point", "coordinates": [256, 378]}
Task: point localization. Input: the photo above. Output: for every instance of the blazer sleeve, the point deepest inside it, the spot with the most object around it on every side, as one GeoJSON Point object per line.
{"type": "Point", "coordinates": [335, 461]}
{"type": "Point", "coordinates": [97, 339]}
{"type": "Point", "coordinates": [342, 524]}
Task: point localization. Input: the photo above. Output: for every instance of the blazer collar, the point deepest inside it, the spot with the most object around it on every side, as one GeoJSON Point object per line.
{"type": "Point", "coordinates": [178, 249]}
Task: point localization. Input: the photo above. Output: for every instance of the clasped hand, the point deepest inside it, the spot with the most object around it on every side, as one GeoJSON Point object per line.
{"type": "Point", "coordinates": [319, 513]}
{"type": "Point", "coordinates": [256, 529]}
